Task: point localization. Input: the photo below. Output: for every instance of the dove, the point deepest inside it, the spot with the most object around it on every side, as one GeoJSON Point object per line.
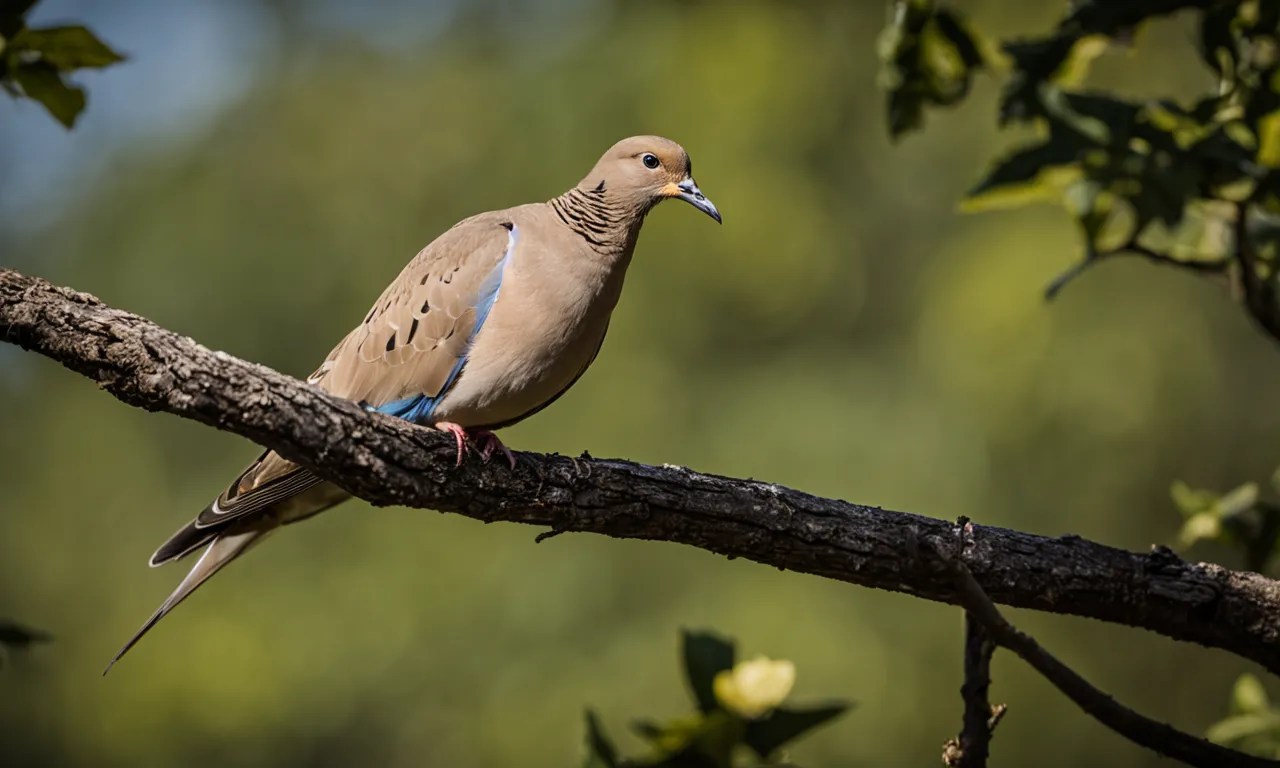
{"type": "Point", "coordinates": [488, 324]}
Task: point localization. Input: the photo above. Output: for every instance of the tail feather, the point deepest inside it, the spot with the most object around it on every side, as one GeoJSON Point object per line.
{"type": "Point", "coordinates": [226, 546]}
{"type": "Point", "coordinates": [186, 540]}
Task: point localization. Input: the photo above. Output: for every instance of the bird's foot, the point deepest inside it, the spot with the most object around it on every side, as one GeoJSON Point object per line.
{"type": "Point", "coordinates": [459, 436]}
{"type": "Point", "coordinates": [489, 442]}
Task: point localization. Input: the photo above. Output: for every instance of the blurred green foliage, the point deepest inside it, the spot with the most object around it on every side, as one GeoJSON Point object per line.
{"type": "Point", "coordinates": [846, 332]}
{"type": "Point", "coordinates": [1239, 517]}
{"type": "Point", "coordinates": [740, 713]}
{"type": "Point", "coordinates": [1253, 724]}
{"type": "Point", "coordinates": [34, 62]}
{"type": "Point", "coordinates": [1194, 186]}
{"type": "Point", "coordinates": [1190, 184]}
{"type": "Point", "coordinates": [1131, 172]}
{"type": "Point", "coordinates": [15, 636]}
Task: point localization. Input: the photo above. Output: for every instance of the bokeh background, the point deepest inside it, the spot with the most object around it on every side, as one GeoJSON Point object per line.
{"type": "Point", "coordinates": [258, 170]}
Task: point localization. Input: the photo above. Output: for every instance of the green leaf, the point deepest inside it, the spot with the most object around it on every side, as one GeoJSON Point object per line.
{"type": "Point", "coordinates": [67, 48]}
{"type": "Point", "coordinates": [1191, 501]}
{"type": "Point", "coordinates": [1202, 527]}
{"type": "Point", "coordinates": [766, 735]}
{"type": "Point", "coordinates": [1238, 500]}
{"type": "Point", "coordinates": [673, 736]}
{"type": "Point", "coordinates": [1269, 140]}
{"type": "Point", "coordinates": [1040, 59]}
{"type": "Point", "coordinates": [1248, 697]}
{"type": "Point", "coordinates": [1254, 726]}
{"type": "Point", "coordinates": [1117, 19]}
{"type": "Point", "coordinates": [1234, 730]}
{"type": "Point", "coordinates": [1025, 175]}
{"type": "Point", "coordinates": [600, 752]}
{"type": "Point", "coordinates": [1104, 225]}
{"type": "Point", "coordinates": [905, 110]}
{"type": "Point", "coordinates": [1217, 42]}
{"type": "Point", "coordinates": [15, 635]}
{"type": "Point", "coordinates": [16, 7]}
{"type": "Point", "coordinates": [1238, 517]}
{"type": "Point", "coordinates": [12, 13]}
{"type": "Point", "coordinates": [957, 32]}
{"type": "Point", "coordinates": [700, 740]}
{"type": "Point", "coordinates": [41, 82]}
{"type": "Point", "coordinates": [1209, 515]}
{"type": "Point", "coordinates": [928, 57]}
{"type": "Point", "coordinates": [647, 729]}
{"type": "Point", "coordinates": [1260, 532]}
{"type": "Point", "coordinates": [705, 654]}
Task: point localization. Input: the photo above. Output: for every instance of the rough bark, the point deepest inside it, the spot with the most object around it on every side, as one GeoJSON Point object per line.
{"type": "Point", "coordinates": [390, 462]}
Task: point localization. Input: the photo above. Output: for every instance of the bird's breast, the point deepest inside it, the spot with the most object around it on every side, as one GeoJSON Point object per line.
{"type": "Point", "coordinates": [545, 328]}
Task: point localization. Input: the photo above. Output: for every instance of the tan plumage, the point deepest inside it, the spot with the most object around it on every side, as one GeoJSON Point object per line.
{"type": "Point", "coordinates": [488, 324]}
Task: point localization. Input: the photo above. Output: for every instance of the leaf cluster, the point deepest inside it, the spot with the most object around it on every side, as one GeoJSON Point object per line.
{"type": "Point", "coordinates": [1239, 518]}
{"type": "Point", "coordinates": [1253, 722]}
{"type": "Point", "coordinates": [715, 735]}
{"type": "Point", "coordinates": [35, 62]}
{"type": "Point", "coordinates": [1156, 177]}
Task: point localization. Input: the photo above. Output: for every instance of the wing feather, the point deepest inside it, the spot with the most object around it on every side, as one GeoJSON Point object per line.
{"type": "Point", "coordinates": [411, 344]}
{"type": "Point", "coordinates": [420, 328]}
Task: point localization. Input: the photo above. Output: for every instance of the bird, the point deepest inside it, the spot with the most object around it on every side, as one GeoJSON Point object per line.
{"type": "Point", "coordinates": [487, 325]}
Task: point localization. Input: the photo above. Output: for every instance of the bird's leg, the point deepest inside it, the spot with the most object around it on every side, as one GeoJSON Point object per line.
{"type": "Point", "coordinates": [489, 442]}
{"type": "Point", "coordinates": [459, 435]}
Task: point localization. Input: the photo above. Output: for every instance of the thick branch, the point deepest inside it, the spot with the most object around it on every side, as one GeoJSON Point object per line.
{"type": "Point", "coordinates": [390, 462]}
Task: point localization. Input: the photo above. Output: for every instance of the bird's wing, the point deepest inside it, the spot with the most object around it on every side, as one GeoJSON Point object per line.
{"type": "Point", "coordinates": [414, 341]}
{"type": "Point", "coordinates": [406, 353]}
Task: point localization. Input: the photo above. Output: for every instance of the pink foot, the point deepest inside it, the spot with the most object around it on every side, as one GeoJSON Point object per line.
{"type": "Point", "coordinates": [459, 435]}
{"type": "Point", "coordinates": [489, 443]}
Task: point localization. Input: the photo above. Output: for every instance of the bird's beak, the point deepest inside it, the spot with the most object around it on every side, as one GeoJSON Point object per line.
{"type": "Point", "coordinates": [689, 192]}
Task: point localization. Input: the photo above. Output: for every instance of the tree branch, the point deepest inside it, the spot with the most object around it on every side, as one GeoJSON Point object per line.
{"type": "Point", "coordinates": [387, 461]}
{"type": "Point", "coordinates": [1159, 737]}
{"type": "Point", "coordinates": [973, 746]}
{"type": "Point", "coordinates": [1134, 248]}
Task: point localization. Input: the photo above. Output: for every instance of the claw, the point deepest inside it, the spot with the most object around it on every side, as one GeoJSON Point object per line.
{"type": "Point", "coordinates": [486, 442]}
{"type": "Point", "coordinates": [489, 442]}
{"type": "Point", "coordinates": [459, 435]}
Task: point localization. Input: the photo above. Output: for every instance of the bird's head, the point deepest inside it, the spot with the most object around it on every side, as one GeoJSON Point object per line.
{"type": "Point", "coordinates": [645, 170]}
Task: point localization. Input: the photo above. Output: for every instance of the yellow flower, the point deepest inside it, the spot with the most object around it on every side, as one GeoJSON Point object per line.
{"type": "Point", "coordinates": [756, 687]}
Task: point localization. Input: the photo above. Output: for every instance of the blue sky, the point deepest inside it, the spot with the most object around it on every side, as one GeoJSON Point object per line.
{"type": "Point", "coordinates": [187, 60]}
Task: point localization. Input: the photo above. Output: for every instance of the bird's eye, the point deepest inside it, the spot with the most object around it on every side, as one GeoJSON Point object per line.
{"type": "Point", "coordinates": [650, 161]}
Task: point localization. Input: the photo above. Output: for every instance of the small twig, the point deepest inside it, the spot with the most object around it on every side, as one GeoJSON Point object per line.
{"type": "Point", "coordinates": [997, 714]}
{"type": "Point", "coordinates": [1134, 248]}
{"type": "Point", "coordinates": [1152, 734]}
{"type": "Point", "coordinates": [972, 747]}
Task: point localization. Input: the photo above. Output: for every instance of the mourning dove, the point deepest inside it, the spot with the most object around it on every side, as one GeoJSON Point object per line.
{"type": "Point", "coordinates": [486, 326]}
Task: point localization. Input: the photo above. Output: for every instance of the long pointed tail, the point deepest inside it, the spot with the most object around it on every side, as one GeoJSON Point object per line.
{"type": "Point", "coordinates": [225, 548]}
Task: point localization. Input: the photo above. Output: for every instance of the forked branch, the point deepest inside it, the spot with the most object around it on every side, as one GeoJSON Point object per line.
{"type": "Point", "coordinates": [387, 461]}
